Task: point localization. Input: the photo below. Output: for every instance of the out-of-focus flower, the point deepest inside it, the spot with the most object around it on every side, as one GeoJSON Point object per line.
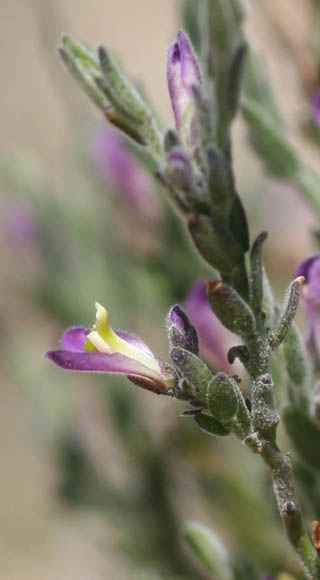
{"type": "Point", "coordinates": [182, 73]}
{"type": "Point", "coordinates": [316, 107]}
{"type": "Point", "coordinates": [310, 295]}
{"type": "Point", "coordinates": [20, 224]}
{"type": "Point", "coordinates": [118, 166]}
{"type": "Point", "coordinates": [214, 339]}
{"type": "Point", "coordinates": [102, 350]}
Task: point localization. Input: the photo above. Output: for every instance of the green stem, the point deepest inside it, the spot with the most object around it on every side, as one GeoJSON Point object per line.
{"type": "Point", "coordinates": [263, 442]}
{"type": "Point", "coordinates": [289, 508]}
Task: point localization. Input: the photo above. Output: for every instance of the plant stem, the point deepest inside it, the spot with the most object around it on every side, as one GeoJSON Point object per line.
{"type": "Point", "coordinates": [263, 442]}
{"type": "Point", "coordinates": [289, 508]}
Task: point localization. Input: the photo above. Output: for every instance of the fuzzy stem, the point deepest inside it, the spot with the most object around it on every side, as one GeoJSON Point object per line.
{"type": "Point", "coordinates": [289, 508]}
{"type": "Point", "coordinates": [264, 443]}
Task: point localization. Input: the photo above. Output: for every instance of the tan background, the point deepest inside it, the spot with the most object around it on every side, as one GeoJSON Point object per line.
{"type": "Point", "coordinates": [37, 101]}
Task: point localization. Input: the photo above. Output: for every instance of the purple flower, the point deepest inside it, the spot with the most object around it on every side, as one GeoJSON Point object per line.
{"type": "Point", "coordinates": [102, 350]}
{"type": "Point", "coordinates": [118, 166]}
{"type": "Point", "coordinates": [316, 107]}
{"type": "Point", "coordinates": [310, 296]}
{"type": "Point", "coordinates": [214, 339]}
{"type": "Point", "coordinates": [182, 73]}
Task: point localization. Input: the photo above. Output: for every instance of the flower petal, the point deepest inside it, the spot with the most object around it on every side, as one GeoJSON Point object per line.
{"type": "Point", "coordinates": [74, 339]}
{"type": "Point", "coordinates": [120, 168]}
{"type": "Point", "coordinates": [97, 362]}
{"type": "Point", "coordinates": [304, 268]}
{"type": "Point", "coordinates": [134, 340]}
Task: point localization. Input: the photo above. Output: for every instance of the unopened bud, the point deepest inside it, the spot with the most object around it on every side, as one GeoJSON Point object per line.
{"type": "Point", "coordinates": [181, 333]}
{"type": "Point", "coordinates": [193, 370]}
{"type": "Point", "coordinates": [264, 414]}
{"type": "Point", "coordinates": [222, 397]}
{"type": "Point", "coordinates": [230, 308]}
{"type": "Point", "coordinates": [215, 244]}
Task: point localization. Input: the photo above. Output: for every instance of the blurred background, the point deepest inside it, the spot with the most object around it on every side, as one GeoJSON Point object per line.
{"type": "Point", "coordinates": [97, 478]}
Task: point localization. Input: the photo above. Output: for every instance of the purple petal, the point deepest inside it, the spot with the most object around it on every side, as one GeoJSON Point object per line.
{"type": "Point", "coordinates": [179, 160]}
{"type": "Point", "coordinates": [97, 362]}
{"type": "Point", "coordinates": [180, 330]}
{"type": "Point", "coordinates": [304, 267]}
{"type": "Point", "coordinates": [310, 297]}
{"type": "Point", "coordinates": [182, 74]}
{"type": "Point", "coordinates": [214, 339]}
{"type": "Point", "coordinates": [313, 284]}
{"type": "Point", "coordinates": [74, 339]}
{"type": "Point", "coordinates": [134, 340]}
{"type": "Point", "coordinates": [190, 69]}
{"type": "Point", "coordinates": [121, 170]}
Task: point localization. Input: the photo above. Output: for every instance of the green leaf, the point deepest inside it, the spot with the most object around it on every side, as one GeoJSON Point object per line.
{"type": "Point", "coordinates": [211, 426]}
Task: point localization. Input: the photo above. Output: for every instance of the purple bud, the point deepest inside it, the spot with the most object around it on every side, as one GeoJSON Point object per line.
{"type": "Point", "coordinates": [214, 339]}
{"type": "Point", "coordinates": [310, 297]}
{"type": "Point", "coordinates": [316, 107]}
{"type": "Point", "coordinates": [180, 331]}
{"type": "Point", "coordinates": [118, 166]}
{"type": "Point", "coordinates": [182, 73]}
{"type": "Point", "coordinates": [179, 169]}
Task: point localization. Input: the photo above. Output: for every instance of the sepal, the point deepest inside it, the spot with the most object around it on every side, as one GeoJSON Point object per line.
{"type": "Point", "coordinates": [193, 370]}
{"type": "Point", "coordinates": [210, 425]}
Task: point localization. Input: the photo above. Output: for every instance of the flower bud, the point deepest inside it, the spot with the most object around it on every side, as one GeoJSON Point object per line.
{"type": "Point", "coordinates": [179, 174]}
{"type": "Point", "coordinates": [215, 244]}
{"type": "Point", "coordinates": [193, 370]}
{"type": "Point", "coordinates": [230, 308]}
{"type": "Point", "coordinates": [227, 405]}
{"type": "Point", "coordinates": [222, 397]}
{"type": "Point", "coordinates": [264, 414]}
{"type": "Point", "coordinates": [181, 333]}
{"type": "Point", "coordinates": [214, 339]}
{"type": "Point", "coordinates": [182, 73]}
{"type": "Point", "coordinates": [102, 80]}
